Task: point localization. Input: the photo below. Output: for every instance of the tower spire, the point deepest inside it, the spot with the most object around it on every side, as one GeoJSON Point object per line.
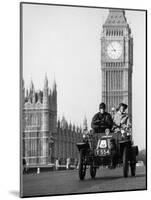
{"type": "Point", "coordinates": [85, 124]}
{"type": "Point", "coordinates": [45, 91]}
{"type": "Point", "coordinates": [54, 85]}
{"type": "Point", "coordinates": [46, 82]}
{"type": "Point", "coordinates": [34, 96]}
{"type": "Point", "coordinates": [31, 85]}
{"type": "Point", "coordinates": [31, 91]}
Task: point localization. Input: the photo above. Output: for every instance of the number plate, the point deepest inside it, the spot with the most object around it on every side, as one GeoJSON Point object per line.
{"type": "Point", "coordinates": [103, 144]}
{"type": "Point", "coordinates": [103, 152]}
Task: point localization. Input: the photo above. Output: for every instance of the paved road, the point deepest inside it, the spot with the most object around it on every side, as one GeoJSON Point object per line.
{"type": "Point", "coordinates": [64, 182]}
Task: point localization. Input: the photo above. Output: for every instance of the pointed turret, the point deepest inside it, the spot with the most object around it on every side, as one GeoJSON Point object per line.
{"type": "Point", "coordinates": [54, 91]}
{"type": "Point", "coordinates": [73, 127]}
{"type": "Point", "coordinates": [80, 129]}
{"type": "Point", "coordinates": [64, 124]}
{"type": "Point", "coordinates": [31, 85]}
{"type": "Point", "coordinates": [38, 96]}
{"type": "Point", "coordinates": [50, 98]}
{"type": "Point", "coordinates": [85, 124]}
{"type": "Point", "coordinates": [45, 92]}
{"type": "Point", "coordinates": [34, 96]}
{"type": "Point", "coordinates": [31, 91]}
{"type": "Point", "coordinates": [53, 106]}
{"type": "Point", "coordinates": [77, 128]}
{"type": "Point", "coordinates": [54, 85]}
{"type": "Point", "coordinates": [26, 95]}
{"type": "Point", "coordinates": [46, 82]}
{"type": "Point", "coordinates": [70, 126]}
{"type": "Point", "coordinates": [29, 97]}
{"type": "Point", "coordinates": [54, 97]}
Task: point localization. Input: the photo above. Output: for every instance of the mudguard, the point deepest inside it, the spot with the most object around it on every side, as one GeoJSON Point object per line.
{"type": "Point", "coordinates": [127, 142]}
{"type": "Point", "coordinates": [134, 150]}
{"type": "Point", "coordinates": [83, 145]}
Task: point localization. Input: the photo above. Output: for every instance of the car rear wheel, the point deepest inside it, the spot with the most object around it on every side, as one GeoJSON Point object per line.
{"type": "Point", "coordinates": [125, 162]}
{"type": "Point", "coordinates": [133, 169]}
{"type": "Point", "coordinates": [82, 165]}
{"type": "Point", "coordinates": [92, 171]}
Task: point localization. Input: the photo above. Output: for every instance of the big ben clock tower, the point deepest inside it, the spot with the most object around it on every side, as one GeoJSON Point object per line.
{"type": "Point", "coordinates": [116, 60]}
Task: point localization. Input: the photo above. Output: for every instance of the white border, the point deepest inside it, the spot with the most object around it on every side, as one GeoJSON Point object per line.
{"type": "Point", "coordinates": [9, 98]}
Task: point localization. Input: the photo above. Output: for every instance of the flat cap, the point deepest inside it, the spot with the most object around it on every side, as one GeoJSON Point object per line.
{"type": "Point", "coordinates": [102, 105]}
{"type": "Point", "coordinates": [124, 105]}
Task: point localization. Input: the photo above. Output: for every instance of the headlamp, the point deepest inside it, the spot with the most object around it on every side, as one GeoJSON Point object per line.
{"type": "Point", "coordinates": [84, 136]}
{"type": "Point", "coordinates": [128, 133]}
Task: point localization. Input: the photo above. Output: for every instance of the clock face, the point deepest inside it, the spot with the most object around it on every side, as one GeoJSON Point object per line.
{"type": "Point", "coordinates": [114, 50]}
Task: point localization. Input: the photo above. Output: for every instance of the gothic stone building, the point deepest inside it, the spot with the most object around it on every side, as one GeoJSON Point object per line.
{"type": "Point", "coordinates": [65, 140]}
{"type": "Point", "coordinates": [45, 139]}
{"type": "Point", "coordinates": [116, 60]}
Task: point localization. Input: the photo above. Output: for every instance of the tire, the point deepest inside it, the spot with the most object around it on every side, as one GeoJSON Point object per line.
{"type": "Point", "coordinates": [125, 162]}
{"type": "Point", "coordinates": [133, 169]}
{"type": "Point", "coordinates": [133, 161]}
{"type": "Point", "coordinates": [82, 165]}
{"type": "Point", "coordinates": [92, 171]}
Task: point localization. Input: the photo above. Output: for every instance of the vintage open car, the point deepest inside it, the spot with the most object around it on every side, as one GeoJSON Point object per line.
{"type": "Point", "coordinates": [98, 149]}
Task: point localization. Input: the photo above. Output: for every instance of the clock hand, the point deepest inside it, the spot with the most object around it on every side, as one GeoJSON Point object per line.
{"type": "Point", "coordinates": [113, 48]}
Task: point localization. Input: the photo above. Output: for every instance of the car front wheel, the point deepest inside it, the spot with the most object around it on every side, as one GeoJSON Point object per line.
{"type": "Point", "coordinates": [82, 165]}
{"type": "Point", "coordinates": [92, 171]}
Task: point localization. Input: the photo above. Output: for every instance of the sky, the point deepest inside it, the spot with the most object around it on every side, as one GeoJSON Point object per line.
{"type": "Point", "coordinates": [64, 42]}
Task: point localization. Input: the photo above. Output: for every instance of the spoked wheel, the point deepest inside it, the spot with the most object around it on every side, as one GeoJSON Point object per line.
{"type": "Point", "coordinates": [82, 165]}
{"type": "Point", "coordinates": [92, 170]}
{"type": "Point", "coordinates": [125, 162]}
{"type": "Point", "coordinates": [133, 169]}
{"type": "Point", "coordinates": [133, 163]}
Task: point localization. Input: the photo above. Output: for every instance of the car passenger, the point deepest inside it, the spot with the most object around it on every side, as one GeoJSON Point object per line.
{"type": "Point", "coordinates": [121, 118]}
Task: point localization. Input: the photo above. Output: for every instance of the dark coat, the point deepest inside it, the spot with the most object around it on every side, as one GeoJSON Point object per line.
{"type": "Point", "coordinates": [100, 122]}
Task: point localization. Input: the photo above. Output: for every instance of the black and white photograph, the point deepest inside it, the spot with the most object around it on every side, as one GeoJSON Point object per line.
{"type": "Point", "coordinates": [82, 99]}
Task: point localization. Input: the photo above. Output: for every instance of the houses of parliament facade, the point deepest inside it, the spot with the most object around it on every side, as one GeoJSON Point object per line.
{"type": "Point", "coordinates": [46, 139]}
